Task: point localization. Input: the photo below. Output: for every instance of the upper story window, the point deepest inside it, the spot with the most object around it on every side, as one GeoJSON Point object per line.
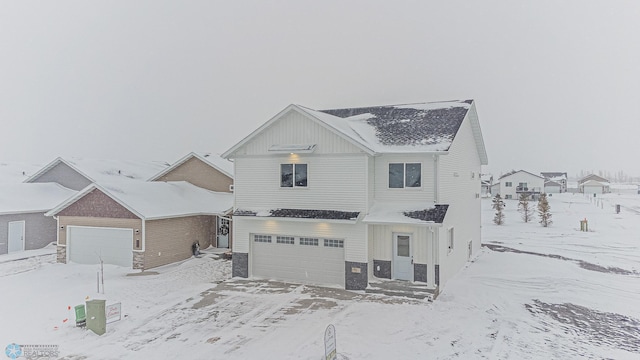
{"type": "Point", "coordinates": [508, 184]}
{"type": "Point", "coordinates": [293, 175]}
{"type": "Point", "coordinates": [403, 175]}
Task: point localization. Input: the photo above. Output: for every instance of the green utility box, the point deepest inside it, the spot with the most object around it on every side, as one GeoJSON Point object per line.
{"type": "Point", "coordinates": [96, 317]}
{"type": "Point", "coordinates": [81, 318]}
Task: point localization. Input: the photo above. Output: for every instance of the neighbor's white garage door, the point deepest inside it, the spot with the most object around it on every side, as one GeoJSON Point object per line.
{"type": "Point", "coordinates": [85, 245]}
{"type": "Point", "coordinates": [315, 264]}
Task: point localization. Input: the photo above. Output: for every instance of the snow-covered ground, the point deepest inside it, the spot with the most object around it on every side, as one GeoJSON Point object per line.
{"type": "Point", "coordinates": [531, 293]}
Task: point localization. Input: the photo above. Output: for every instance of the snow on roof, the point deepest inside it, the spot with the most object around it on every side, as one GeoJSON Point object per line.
{"type": "Point", "coordinates": [551, 183]}
{"type": "Point", "coordinates": [101, 170]}
{"type": "Point", "coordinates": [300, 214]}
{"type": "Point", "coordinates": [36, 197]}
{"type": "Point", "coordinates": [422, 127]}
{"type": "Point", "coordinates": [17, 172]}
{"type": "Point", "coordinates": [388, 212]}
{"type": "Point", "coordinates": [215, 161]}
{"type": "Point", "coordinates": [158, 200]}
{"type": "Point", "coordinates": [554, 176]}
{"type": "Point", "coordinates": [594, 183]}
{"type": "Point", "coordinates": [518, 171]}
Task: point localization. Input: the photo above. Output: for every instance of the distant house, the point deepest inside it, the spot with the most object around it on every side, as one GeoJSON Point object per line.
{"type": "Point", "coordinates": [209, 172]}
{"type": "Point", "coordinates": [511, 185]}
{"type": "Point", "coordinates": [137, 224]}
{"type": "Point", "coordinates": [486, 181]}
{"type": "Point", "coordinates": [77, 173]}
{"type": "Point", "coordinates": [23, 225]}
{"type": "Point", "coordinates": [343, 197]}
{"type": "Point", "coordinates": [555, 182]}
{"type": "Point", "coordinates": [593, 184]}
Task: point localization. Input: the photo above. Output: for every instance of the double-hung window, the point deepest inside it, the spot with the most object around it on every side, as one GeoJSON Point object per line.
{"type": "Point", "coordinates": [405, 175]}
{"type": "Point", "coordinates": [293, 175]}
{"type": "Point", "coordinates": [508, 184]}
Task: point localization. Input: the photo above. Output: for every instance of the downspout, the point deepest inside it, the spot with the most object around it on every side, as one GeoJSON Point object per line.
{"type": "Point", "coordinates": [435, 179]}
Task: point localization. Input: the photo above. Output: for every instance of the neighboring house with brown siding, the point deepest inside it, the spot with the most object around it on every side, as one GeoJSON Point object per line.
{"type": "Point", "coordinates": [209, 172]}
{"type": "Point", "coordinates": [76, 174]}
{"type": "Point", "coordinates": [23, 225]}
{"type": "Point", "coordinates": [138, 224]}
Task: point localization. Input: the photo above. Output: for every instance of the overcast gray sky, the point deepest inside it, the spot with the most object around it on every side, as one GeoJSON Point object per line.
{"type": "Point", "coordinates": [556, 83]}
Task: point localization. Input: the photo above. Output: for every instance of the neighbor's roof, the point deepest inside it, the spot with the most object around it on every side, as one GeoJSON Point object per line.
{"type": "Point", "coordinates": [100, 170]}
{"type": "Point", "coordinates": [416, 213]}
{"type": "Point", "coordinates": [215, 161]}
{"type": "Point", "coordinates": [27, 198]}
{"type": "Point", "coordinates": [555, 176]}
{"type": "Point", "coordinates": [159, 200]}
{"type": "Point", "coordinates": [518, 171]}
{"type": "Point", "coordinates": [409, 128]}
{"type": "Point", "coordinates": [552, 183]}
{"type": "Point", "coordinates": [594, 183]}
{"type": "Point", "coordinates": [317, 214]}
{"type": "Point", "coordinates": [17, 172]}
{"type": "Point", "coordinates": [592, 177]}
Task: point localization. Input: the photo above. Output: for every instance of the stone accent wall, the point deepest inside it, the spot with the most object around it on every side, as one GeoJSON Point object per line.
{"type": "Point", "coordinates": [138, 260]}
{"type": "Point", "coordinates": [97, 204]}
{"type": "Point", "coordinates": [61, 254]}
{"type": "Point", "coordinates": [240, 265]}
{"type": "Point", "coordinates": [382, 269]}
{"type": "Point", "coordinates": [420, 272]}
{"type": "Point", "coordinates": [437, 271]}
{"type": "Point", "coordinates": [356, 277]}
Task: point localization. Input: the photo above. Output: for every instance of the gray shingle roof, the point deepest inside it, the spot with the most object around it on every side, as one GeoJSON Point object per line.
{"type": "Point", "coordinates": [435, 214]}
{"type": "Point", "coordinates": [413, 124]}
{"type": "Point", "coordinates": [304, 214]}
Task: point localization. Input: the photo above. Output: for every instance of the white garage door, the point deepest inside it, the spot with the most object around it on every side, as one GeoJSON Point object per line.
{"type": "Point", "coordinates": [85, 245]}
{"type": "Point", "coordinates": [307, 260]}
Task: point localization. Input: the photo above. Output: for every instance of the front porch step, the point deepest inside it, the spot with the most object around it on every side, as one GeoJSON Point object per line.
{"type": "Point", "coordinates": [402, 288]}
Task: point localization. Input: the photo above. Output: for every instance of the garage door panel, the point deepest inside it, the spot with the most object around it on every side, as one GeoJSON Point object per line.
{"type": "Point", "coordinates": [298, 263]}
{"type": "Point", "coordinates": [87, 244]}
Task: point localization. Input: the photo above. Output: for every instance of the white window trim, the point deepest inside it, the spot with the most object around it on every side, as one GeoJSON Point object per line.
{"type": "Point", "coordinates": [404, 177]}
{"type": "Point", "coordinates": [294, 176]}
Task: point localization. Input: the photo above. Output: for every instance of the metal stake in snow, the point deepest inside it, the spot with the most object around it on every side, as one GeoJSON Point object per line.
{"type": "Point", "coordinates": [100, 274]}
{"type": "Point", "coordinates": [330, 343]}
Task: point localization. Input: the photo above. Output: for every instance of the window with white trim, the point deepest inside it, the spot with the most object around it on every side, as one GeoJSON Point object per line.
{"type": "Point", "coordinates": [508, 184]}
{"type": "Point", "coordinates": [450, 239]}
{"type": "Point", "coordinates": [309, 241]}
{"type": "Point", "coordinates": [405, 175]}
{"type": "Point", "coordinates": [262, 238]}
{"type": "Point", "coordinates": [334, 243]}
{"type": "Point", "coordinates": [285, 240]}
{"type": "Point", "coordinates": [293, 175]}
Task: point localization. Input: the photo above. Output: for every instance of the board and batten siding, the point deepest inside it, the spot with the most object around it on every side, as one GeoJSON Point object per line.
{"type": "Point", "coordinates": [382, 241]}
{"type": "Point", "coordinates": [170, 240]}
{"type": "Point", "coordinates": [297, 128]}
{"type": "Point", "coordinates": [121, 223]}
{"type": "Point", "coordinates": [200, 174]}
{"type": "Point", "coordinates": [459, 186]}
{"type": "Point", "coordinates": [335, 182]}
{"type": "Point", "coordinates": [423, 193]}
{"type": "Point", "coordinates": [354, 235]}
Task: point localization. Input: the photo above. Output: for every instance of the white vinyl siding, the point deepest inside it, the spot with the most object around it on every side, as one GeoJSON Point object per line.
{"type": "Point", "coordinates": [335, 183]}
{"type": "Point", "coordinates": [381, 169]}
{"type": "Point", "coordinates": [296, 128]}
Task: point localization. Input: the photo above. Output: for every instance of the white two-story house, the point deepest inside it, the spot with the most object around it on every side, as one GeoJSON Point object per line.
{"type": "Point", "coordinates": [514, 183]}
{"type": "Point", "coordinates": [341, 197]}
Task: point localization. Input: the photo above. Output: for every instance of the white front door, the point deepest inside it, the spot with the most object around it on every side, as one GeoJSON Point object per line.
{"type": "Point", "coordinates": [16, 236]}
{"type": "Point", "coordinates": [402, 257]}
{"type": "Point", "coordinates": [224, 226]}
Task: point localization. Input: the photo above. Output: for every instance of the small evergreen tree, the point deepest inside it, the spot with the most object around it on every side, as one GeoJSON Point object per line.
{"type": "Point", "coordinates": [498, 205]}
{"type": "Point", "coordinates": [525, 208]}
{"type": "Point", "coordinates": [544, 211]}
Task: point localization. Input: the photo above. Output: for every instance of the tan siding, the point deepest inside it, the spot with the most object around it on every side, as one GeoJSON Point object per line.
{"type": "Point", "coordinates": [65, 221]}
{"type": "Point", "coordinates": [296, 128]}
{"type": "Point", "coordinates": [199, 174]}
{"type": "Point", "coordinates": [170, 240]}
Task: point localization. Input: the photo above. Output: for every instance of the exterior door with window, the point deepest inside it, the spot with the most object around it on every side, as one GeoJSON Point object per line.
{"type": "Point", "coordinates": [224, 227]}
{"type": "Point", "coordinates": [402, 257]}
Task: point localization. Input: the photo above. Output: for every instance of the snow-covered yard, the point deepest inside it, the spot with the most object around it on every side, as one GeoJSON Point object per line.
{"type": "Point", "coordinates": [531, 293]}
